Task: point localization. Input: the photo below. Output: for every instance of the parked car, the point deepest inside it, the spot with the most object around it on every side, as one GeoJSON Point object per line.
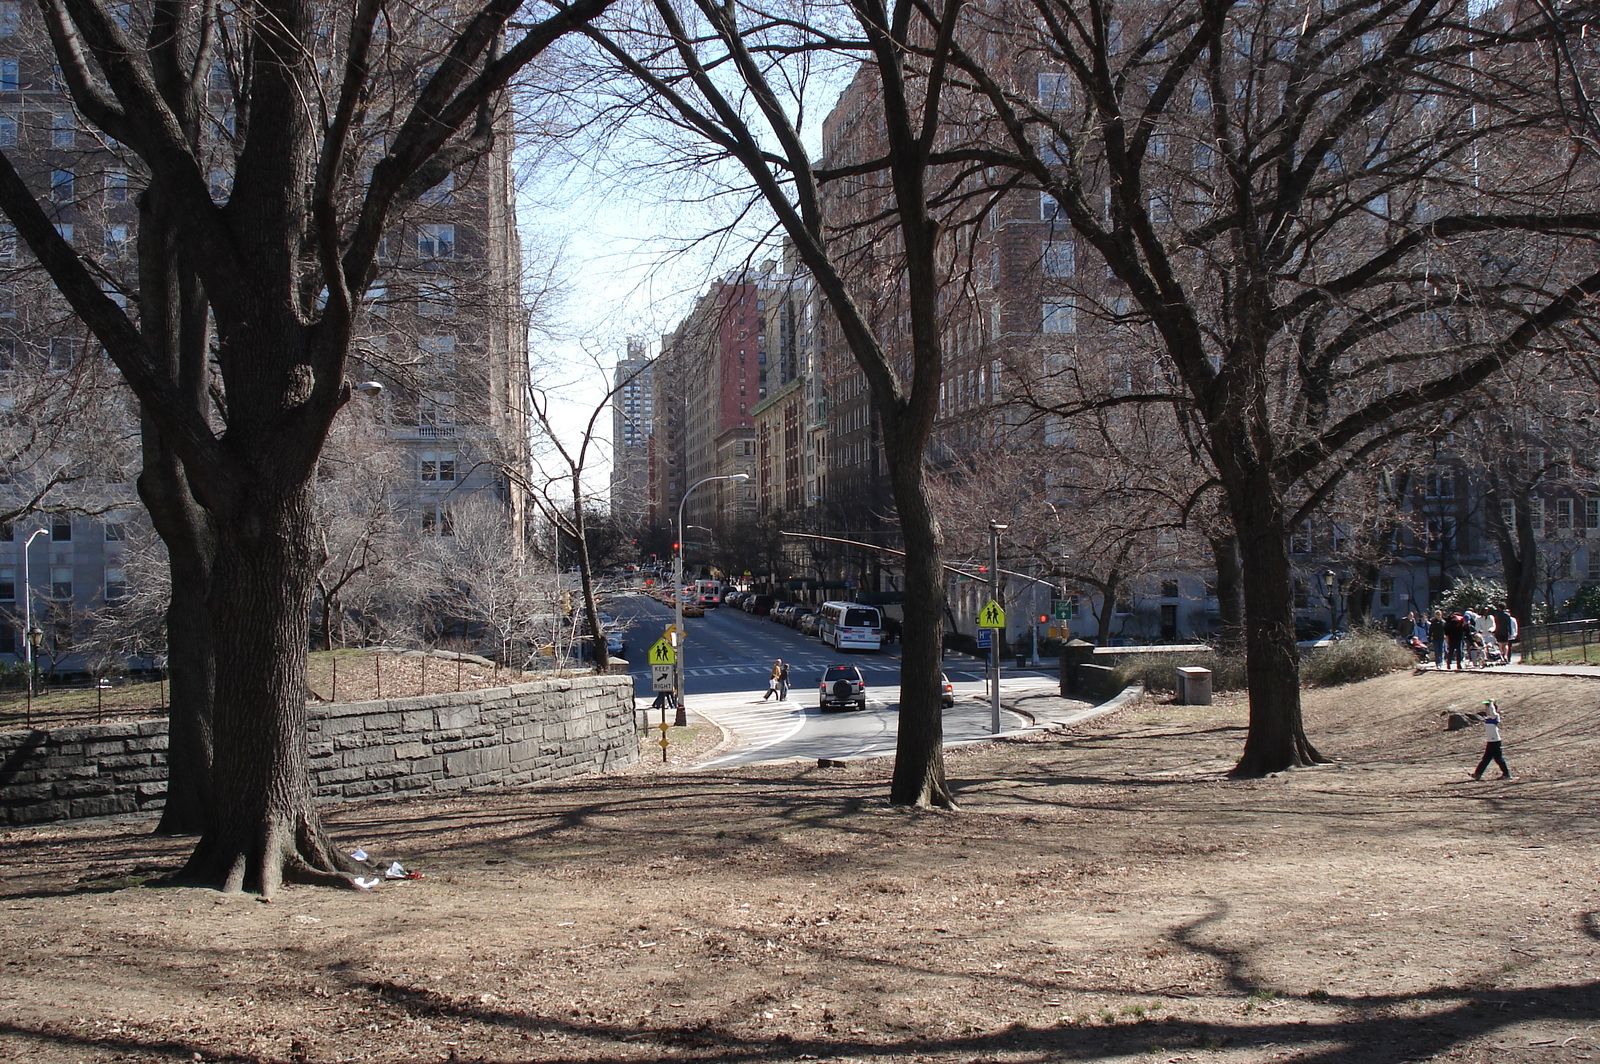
{"type": "Point", "coordinates": [807, 623]}
{"type": "Point", "coordinates": [797, 614]}
{"type": "Point", "coordinates": [842, 687]}
{"type": "Point", "coordinates": [947, 691]}
{"type": "Point", "coordinates": [780, 612]}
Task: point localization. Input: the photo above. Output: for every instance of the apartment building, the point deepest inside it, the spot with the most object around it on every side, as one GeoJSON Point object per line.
{"type": "Point", "coordinates": [444, 331]}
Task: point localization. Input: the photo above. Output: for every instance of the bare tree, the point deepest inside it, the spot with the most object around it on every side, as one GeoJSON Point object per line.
{"type": "Point", "coordinates": [876, 244]}
{"type": "Point", "coordinates": [285, 263]}
{"type": "Point", "coordinates": [1305, 204]}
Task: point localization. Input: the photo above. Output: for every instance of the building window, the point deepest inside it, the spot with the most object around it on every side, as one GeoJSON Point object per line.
{"type": "Point", "coordinates": [65, 231]}
{"type": "Point", "coordinates": [8, 131]}
{"type": "Point", "coordinates": [437, 298]}
{"type": "Point", "coordinates": [116, 584]}
{"type": "Point", "coordinates": [1300, 539]}
{"type": "Point", "coordinates": [437, 521]}
{"type": "Point", "coordinates": [1563, 514]}
{"type": "Point", "coordinates": [438, 468]}
{"type": "Point", "coordinates": [1441, 485]}
{"type": "Point", "coordinates": [1386, 591]}
{"type": "Point", "coordinates": [116, 531]}
{"type": "Point", "coordinates": [436, 408]}
{"type": "Point", "coordinates": [63, 354]}
{"type": "Point", "coordinates": [1055, 91]}
{"type": "Point", "coordinates": [1536, 515]}
{"type": "Point", "coordinates": [8, 584]}
{"type": "Point", "coordinates": [8, 243]}
{"type": "Point", "coordinates": [61, 529]}
{"type": "Point", "coordinates": [1049, 209]}
{"type": "Point", "coordinates": [116, 186]}
{"type": "Point", "coordinates": [438, 355]}
{"type": "Point", "coordinates": [62, 185]}
{"type": "Point", "coordinates": [10, 17]}
{"type": "Point", "coordinates": [63, 130]}
{"type": "Point", "coordinates": [1060, 258]}
{"type": "Point", "coordinates": [1169, 589]}
{"type": "Point", "coordinates": [1441, 534]}
{"type": "Point", "coordinates": [1591, 513]}
{"type": "Point", "coordinates": [436, 241]}
{"type": "Point", "coordinates": [61, 582]}
{"type": "Point", "coordinates": [116, 241]}
{"type": "Point", "coordinates": [1059, 316]}
{"type": "Point", "coordinates": [9, 80]}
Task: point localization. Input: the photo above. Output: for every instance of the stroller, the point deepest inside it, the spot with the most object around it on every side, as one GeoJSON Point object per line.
{"type": "Point", "coordinates": [1492, 654]}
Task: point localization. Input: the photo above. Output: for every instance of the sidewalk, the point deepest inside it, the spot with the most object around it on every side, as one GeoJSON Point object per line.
{"type": "Point", "coordinates": [1590, 671]}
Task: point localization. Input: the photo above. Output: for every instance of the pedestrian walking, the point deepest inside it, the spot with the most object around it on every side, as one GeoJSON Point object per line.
{"type": "Point", "coordinates": [1436, 638]}
{"type": "Point", "coordinates": [1455, 637]}
{"type": "Point", "coordinates": [1505, 630]}
{"type": "Point", "coordinates": [777, 681]}
{"type": "Point", "coordinates": [1493, 749]}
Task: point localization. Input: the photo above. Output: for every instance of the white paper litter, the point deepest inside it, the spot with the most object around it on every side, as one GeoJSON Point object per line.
{"type": "Point", "coordinates": [367, 882]}
{"type": "Point", "coordinates": [394, 871]}
{"type": "Point", "coordinates": [360, 854]}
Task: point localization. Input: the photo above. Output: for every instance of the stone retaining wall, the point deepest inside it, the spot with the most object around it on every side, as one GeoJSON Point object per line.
{"type": "Point", "coordinates": [530, 732]}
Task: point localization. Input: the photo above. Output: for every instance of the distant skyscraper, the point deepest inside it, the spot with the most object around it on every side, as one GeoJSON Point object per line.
{"type": "Point", "coordinates": [632, 423]}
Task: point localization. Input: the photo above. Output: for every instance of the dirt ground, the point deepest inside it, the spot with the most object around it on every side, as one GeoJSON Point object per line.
{"type": "Point", "coordinates": [1102, 895]}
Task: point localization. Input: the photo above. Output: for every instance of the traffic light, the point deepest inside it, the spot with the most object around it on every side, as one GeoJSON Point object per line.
{"type": "Point", "coordinates": [675, 546]}
{"type": "Point", "coordinates": [1044, 618]}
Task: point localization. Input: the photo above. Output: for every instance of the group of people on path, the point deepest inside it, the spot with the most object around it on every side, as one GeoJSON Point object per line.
{"type": "Point", "coordinates": [778, 682]}
{"type": "Point", "coordinates": [1465, 638]}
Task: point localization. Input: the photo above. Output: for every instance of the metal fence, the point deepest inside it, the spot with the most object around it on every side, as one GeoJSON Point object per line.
{"type": "Point", "coordinates": [1562, 639]}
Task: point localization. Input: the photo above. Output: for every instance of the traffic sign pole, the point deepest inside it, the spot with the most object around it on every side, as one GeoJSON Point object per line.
{"type": "Point", "coordinates": [994, 614]}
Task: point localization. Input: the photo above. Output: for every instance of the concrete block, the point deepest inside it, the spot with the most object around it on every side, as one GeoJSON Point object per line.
{"type": "Point", "coordinates": [368, 755]}
{"type": "Point", "coordinates": [106, 806]}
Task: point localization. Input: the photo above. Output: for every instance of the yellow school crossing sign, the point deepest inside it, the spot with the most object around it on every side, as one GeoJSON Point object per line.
{"type": "Point", "coordinates": [661, 653]}
{"type": "Point", "coordinates": [991, 616]}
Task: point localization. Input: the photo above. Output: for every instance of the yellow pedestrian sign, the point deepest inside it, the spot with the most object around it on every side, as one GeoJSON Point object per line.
{"type": "Point", "coordinates": [661, 653]}
{"type": "Point", "coordinates": [991, 616]}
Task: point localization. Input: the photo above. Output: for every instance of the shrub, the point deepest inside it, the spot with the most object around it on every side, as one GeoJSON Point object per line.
{"type": "Point", "coordinates": [1156, 672]}
{"type": "Point", "coordinates": [1361, 655]}
{"type": "Point", "coordinates": [1474, 593]}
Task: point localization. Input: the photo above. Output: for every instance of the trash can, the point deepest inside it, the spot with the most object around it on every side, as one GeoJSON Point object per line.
{"type": "Point", "coordinates": [1022, 661]}
{"type": "Point", "coordinates": [1194, 685]}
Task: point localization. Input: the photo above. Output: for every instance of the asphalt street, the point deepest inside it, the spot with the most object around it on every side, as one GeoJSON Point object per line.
{"type": "Point", "coordinates": [729, 653]}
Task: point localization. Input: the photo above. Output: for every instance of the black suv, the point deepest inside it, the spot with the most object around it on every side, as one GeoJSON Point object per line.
{"type": "Point", "coordinates": [842, 687]}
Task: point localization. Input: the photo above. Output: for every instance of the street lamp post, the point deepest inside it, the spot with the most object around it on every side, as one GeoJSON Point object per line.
{"type": "Point", "coordinates": [30, 645]}
{"type": "Point", "coordinates": [999, 634]}
{"type": "Point", "coordinates": [1328, 578]}
{"type": "Point", "coordinates": [35, 637]}
{"type": "Point", "coordinates": [677, 596]}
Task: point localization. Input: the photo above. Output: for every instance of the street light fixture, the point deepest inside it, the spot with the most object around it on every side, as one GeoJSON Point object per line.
{"type": "Point", "coordinates": [30, 651]}
{"type": "Point", "coordinates": [682, 718]}
{"type": "Point", "coordinates": [35, 637]}
{"type": "Point", "coordinates": [1328, 577]}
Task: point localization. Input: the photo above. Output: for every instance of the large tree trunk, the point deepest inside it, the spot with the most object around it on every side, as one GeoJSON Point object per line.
{"type": "Point", "coordinates": [1230, 593]}
{"type": "Point", "coordinates": [264, 827]}
{"type": "Point", "coordinates": [191, 667]}
{"type": "Point", "coordinates": [919, 777]}
{"type": "Point", "coordinates": [176, 330]}
{"type": "Point", "coordinates": [1277, 738]}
